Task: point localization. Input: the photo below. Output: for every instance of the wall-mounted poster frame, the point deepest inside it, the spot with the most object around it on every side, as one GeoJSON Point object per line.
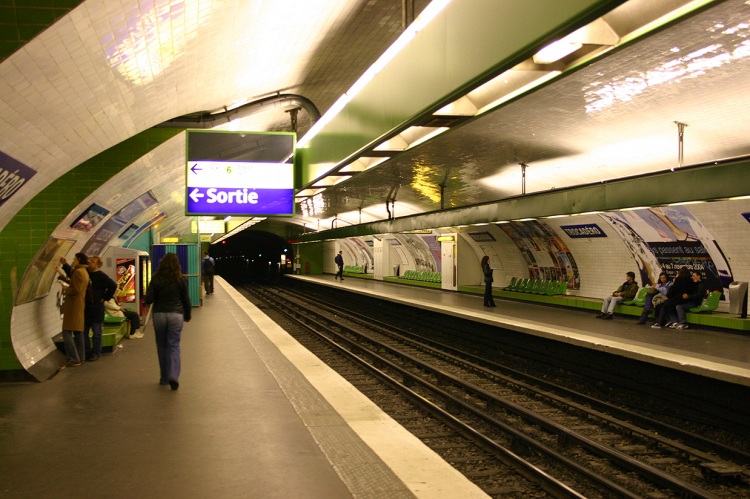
{"type": "Point", "coordinates": [90, 218]}
{"type": "Point", "coordinates": [41, 273]}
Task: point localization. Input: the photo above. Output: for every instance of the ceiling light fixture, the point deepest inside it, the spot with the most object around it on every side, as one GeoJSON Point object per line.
{"type": "Point", "coordinates": [556, 51]}
{"type": "Point", "coordinates": [428, 14]}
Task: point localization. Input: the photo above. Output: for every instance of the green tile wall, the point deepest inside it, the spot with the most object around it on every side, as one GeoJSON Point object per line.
{"type": "Point", "coordinates": [22, 20]}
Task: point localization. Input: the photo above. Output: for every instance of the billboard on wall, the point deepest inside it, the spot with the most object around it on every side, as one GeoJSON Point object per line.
{"type": "Point", "coordinates": [239, 173]}
{"type": "Point", "coordinates": [667, 238]}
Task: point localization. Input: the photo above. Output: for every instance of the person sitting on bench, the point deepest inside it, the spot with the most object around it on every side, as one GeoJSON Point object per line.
{"type": "Point", "coordinates": [626, 291]}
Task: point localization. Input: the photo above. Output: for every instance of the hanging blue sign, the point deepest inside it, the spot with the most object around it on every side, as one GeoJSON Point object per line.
{"type": "Point", "coordinates": [239, 173]}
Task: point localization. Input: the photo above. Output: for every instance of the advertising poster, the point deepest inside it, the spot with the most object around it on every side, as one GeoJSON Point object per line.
{"type": "Point", "coordinates": [89, 218]}
{"type": "Point", "coordinates": [41, 273]}
{"type": "Point", "coordinates": [546, 255]}
{"type": "Point", "coordinates": [125, 280]}
{"type": "Point", "coordinates": [667, 238]}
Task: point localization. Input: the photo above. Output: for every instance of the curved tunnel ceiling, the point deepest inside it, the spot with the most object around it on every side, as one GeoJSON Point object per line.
{"type": "Point", "coordinates": [611, 119]}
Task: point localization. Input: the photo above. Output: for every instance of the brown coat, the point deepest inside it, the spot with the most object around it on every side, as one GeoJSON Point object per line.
{"type": "Point", "coordinates": [75, 300]}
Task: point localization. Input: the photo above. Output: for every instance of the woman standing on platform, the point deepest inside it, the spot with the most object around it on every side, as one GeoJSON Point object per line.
{"type": "Point", "coordinates": [168, 292]}
{"type": "Point", "coordinates": [487, 272]}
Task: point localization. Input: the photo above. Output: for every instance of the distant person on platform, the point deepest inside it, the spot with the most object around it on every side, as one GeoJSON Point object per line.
{"type": "Point", "coordinates": [168, 291]}
{"type": "Point", "coordinates": [102, 289]}
{"type": "Point", "coordinates": [207, 269]}
{"type": "Point", "coordinates": [626, 291]}
{"type": "Point", "coordinates": [116, 310]}
{"type": "Point", "coordinates": [487, 273]}
{"type": "Point", "coordinates": [340, 263]}
{"type": "Point", "coordinates": [73, 308]}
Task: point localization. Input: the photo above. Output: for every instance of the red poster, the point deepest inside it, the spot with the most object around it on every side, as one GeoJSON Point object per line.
{"type": "Point", "coordinates": [125, 280]}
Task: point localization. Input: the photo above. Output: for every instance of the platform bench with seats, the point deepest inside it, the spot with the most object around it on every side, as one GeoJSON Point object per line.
{"type": "Point", "coordinates": [704, 315]}
{"type": "Point", "coordinates": [114, 330]}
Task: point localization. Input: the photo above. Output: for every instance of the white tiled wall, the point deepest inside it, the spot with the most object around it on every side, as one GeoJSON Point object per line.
{"type": "Point", "coordinates": [602, 264]}
{"type": "Point", "coordinates": [33, 325]}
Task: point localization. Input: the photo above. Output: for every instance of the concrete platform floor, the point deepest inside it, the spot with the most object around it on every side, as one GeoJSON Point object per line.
{"type": "Point", "coordinates": [256, 415]}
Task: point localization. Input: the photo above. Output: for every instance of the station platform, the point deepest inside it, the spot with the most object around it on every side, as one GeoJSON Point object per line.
{"type": "Point", "coordinates": [714, 354]}
{"type": "Point", "coordinates": [256, 415]}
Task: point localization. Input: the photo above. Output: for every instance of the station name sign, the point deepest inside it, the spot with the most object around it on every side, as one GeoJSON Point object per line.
{"type": "Point", "coordinates": [239, 173]}
{"type": "Point", "coordinates": [583, 231]}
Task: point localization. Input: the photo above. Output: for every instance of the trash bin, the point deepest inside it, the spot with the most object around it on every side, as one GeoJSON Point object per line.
{"type": "Point", "coordinates": [738, 297]}
{"type": "Point", "coordinates": [396, 269]}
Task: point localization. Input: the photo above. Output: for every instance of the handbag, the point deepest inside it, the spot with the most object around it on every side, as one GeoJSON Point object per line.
{"type": "Point", "coordinates": [659, 299]}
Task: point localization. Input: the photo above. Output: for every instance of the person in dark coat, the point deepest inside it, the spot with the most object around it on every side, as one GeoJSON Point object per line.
{"type": "Point", "coordinates": [77, 279]}
{"type": "Point", "coordinates": [489, 301]}
{"type": "Point", "coordinates": [682, 285]}
{"type": "Point", "coordinates": [690, 300]}
{"type": "Point", "coordinates": [340, 264]}
{"type": "Point", "coordinates": [207, 270]}
{"type": "Point", "coordinates": [102, 289]}
{"type": "Point", "coordinates": [168, 292]}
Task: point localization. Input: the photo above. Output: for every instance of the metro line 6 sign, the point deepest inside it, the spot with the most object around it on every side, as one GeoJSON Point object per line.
{"type": "Point", "coordinates": [239, 173]}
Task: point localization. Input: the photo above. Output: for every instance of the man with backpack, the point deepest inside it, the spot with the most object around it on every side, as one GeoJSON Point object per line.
{"type": "Point", "coordinates": [207, 270]}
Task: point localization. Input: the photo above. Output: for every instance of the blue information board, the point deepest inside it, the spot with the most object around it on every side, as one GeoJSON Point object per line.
{"type": "Point", "coordinates": [239, 173]}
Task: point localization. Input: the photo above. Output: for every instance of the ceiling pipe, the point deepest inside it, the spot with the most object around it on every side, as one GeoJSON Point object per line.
{"type": "Point", "coordinates": [206, 120]}
{"type": "Point", "coordinates": [523, 177]}
{"type": "Point", "coordinates": [680, 143]}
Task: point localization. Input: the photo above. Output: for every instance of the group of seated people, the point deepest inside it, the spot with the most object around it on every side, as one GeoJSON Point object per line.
{"type": "Point", "coordinates": [669, 299]}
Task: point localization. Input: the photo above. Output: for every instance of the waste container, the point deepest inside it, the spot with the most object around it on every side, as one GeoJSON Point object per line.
{"type": "Point", "coordinates": [396, 269]}
{"type": "Point", "coordinates": [738, 298]}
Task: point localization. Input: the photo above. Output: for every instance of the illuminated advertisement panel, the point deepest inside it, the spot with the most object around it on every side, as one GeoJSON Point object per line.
{"type": "Point", "coordinates": [239, 173]}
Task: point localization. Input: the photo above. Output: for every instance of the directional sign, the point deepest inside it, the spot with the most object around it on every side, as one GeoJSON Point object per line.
{"type": "Point", "coordinates": [246, 183]}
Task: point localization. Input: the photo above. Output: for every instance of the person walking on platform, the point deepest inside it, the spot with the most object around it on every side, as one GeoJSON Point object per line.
{"type": "Point", "coordinates": [168, 292]}
{"type": "Point", "coordinates": [207, 269]}
{"type": "Point", "coordinates": [489, 301]}
{"type": "Point", "coordinates": [340, 264]}
{"type": "Point", "coordinates": [626, 291]}
{"type": "Point", "coordinates": [660, 290]}
{"type": "Point", "coordinates": [73, 310]}
{"type": "Point", "coordinates": [102, 289]}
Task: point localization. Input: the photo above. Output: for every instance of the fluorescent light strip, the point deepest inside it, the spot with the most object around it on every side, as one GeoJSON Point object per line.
{"type": "Point", "coordinates": [427, 15]}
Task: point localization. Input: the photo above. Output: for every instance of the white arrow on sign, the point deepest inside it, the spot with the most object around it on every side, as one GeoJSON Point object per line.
{"type": "Point", "coordinates": [195, 195]}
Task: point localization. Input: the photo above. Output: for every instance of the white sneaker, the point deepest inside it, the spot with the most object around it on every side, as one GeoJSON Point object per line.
{"type": "Point", "coordinates": [136, 336]}
{"type": "Point", "coordinates": [655, 325]}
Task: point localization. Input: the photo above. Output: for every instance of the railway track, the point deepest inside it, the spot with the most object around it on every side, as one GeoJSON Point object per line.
{"type": "Point", "coordinates": [488, 421]}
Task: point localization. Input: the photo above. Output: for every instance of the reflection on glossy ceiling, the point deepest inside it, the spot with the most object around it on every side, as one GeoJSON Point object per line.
{"type": "Point", "coordinates": [110, 69]}
{"type": "Point", "coordinates": [615, 118]}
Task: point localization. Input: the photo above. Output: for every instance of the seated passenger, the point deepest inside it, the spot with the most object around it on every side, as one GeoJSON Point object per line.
{"type": "Point", "coordinates": [626, 291]}
{"type": "Point", "coordinates": [116, 310]}
{"type": "Point", "coordinates": [682, 285]}
{"type": "Point", "coordinates": [660, 289]}
{"type": "Point", "coordinates": [691, 300]}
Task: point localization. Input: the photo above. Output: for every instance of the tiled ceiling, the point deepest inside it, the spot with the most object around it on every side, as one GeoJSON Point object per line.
{"type": "Point", "coordinates": [612, 119]}
{"type": "Point", "coordinates": [111, 69]}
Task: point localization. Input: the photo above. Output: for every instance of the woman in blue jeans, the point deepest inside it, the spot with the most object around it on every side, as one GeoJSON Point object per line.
{"type": "Point", "coordinates": [168, 291]}
{"type": "Point", "coordinates": [660, 288]}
